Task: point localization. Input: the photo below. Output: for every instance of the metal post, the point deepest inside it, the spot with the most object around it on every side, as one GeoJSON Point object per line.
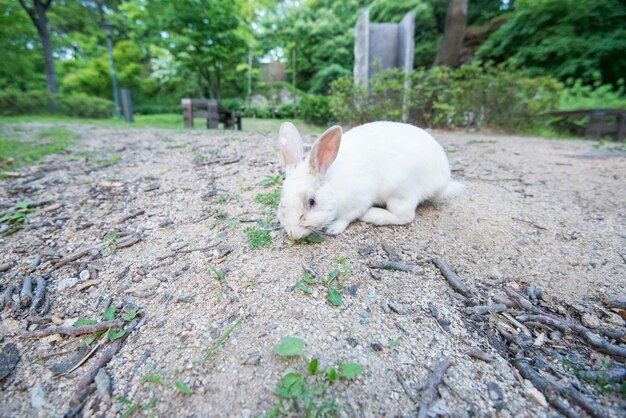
{"type": "Point", "coordinates": [108, 28]}
{"type": "Point", "coordinates": [127, 106]}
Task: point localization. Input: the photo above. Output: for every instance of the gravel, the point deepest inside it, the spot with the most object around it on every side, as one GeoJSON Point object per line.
{"type": "Point", "coordinates": [526, 199]}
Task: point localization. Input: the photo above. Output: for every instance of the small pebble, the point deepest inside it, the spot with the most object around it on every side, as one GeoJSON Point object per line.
{"type": "Point", "coordinates": [67, 283]}
{"type": "Point", "coordinates": [590, 320]}
{"type": "Point", "coordinates": [253, 360]}
{"type": "Point", "coordinates": [38, 398]}
{"type": "Point", "coordinates": [103, 384]}
{"type": "Point", "coordinates": [84, 275]}
{"type": "Point", "coordinates": [352, 342]}
{"type": "Point", "coordinates": [537, 397]}
{"type": "Point", "coordinates": [363, 313]}
{"type": "Point", "coordinates": [377, 346]}
{"type": "Point", "coordinates": [385, 306]}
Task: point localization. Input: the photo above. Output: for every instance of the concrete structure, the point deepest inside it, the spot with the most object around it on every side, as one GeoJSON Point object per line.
{"type": "Point", "coordinates": [380, 46]}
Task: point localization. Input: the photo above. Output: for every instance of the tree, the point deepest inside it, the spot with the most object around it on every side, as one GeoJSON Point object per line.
{"type": "Point", "coordinates": [454, 32]}
{"type": "Point", "coordinates": [564, 39]}
{"type": "Point", "coordinates": [37, 14]}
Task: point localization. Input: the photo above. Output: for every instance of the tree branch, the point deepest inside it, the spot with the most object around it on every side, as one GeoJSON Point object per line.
{"type": "Point", "coordinates": [30, 12]}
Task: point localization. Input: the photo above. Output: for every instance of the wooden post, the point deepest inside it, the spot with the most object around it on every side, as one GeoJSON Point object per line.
{"type": "Point", "coordinates": [187, 113]}
{"type": "Point", "coordinates": [594, 126]}
{"type": "Point", "coordinates": [621, 126]}
{"type": "Point", "coordinates": [213, 119]}
{"type": "Point", "coordinates": [127, 106]}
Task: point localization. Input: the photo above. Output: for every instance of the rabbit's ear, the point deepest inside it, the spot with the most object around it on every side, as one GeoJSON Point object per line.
{"type": "Point", "coordinates": [290, 144]}
{"type": "Point", "coordinates": [324, 150]}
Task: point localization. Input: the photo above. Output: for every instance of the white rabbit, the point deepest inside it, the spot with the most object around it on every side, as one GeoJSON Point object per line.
{"type": "Point", "coordinates": [379, 174]}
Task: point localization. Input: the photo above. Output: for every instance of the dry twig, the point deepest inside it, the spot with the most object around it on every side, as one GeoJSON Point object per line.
{"type": "Point", "coordinates": [394, 265]}
{"type": "Point", "coordinates": [26, 295]}
{"type": "Point", "coordinates": [545, 385]}
{"type": "Point", "coordinates": [105, 357]}
{"type": "Point", "coordinates": [430, 391]}
{"type": "Point", "coordinates": [85, 329]}
{"type": "Point", "coordinates": [40, 294]}
{"type": "Point", "coordinates": [585, 332]}
{"type": "Point", "coordinates": [483, 309]}
{"type": "Point", "coordinates": [452, 278]}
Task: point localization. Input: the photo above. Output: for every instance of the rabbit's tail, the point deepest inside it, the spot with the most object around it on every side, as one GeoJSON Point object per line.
{"type": "Point", "coordinates": [452, 189]}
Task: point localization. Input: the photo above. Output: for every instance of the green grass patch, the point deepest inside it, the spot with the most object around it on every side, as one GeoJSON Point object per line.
{"type": "Point", "coordinates": [258, 237]}
{"type": "Point", "coordinates": [307, 390]}
{"type": "Point", "coordinates": [271, 199]}
{"type": "Point", "coordinates": [172, 121]}
{"type": "Point", "coordinates": [43, 142]}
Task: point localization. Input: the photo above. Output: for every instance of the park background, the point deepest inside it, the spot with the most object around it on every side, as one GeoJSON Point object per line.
{"type": "Point", "coordinates": [272, 59]}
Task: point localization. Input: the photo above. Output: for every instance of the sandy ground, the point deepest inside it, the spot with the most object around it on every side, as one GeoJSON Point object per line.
{"type": "Point", "coordinates": [536, 212]}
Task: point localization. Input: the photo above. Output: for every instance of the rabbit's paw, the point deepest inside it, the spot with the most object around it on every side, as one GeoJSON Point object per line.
{"type": "Point", "coordinates": [337, 227]}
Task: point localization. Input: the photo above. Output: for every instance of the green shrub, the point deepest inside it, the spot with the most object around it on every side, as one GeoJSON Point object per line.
{"type": "Point", "coordinates": [316, 110]}
{"type": "Point", "coordinates": [320, 83]}
{"type": "Point", "coordinates": [235, 104]}
{"type": "Point", "coordinates": [15, 102]}
{"type": "Point", "coordinates": [471, 96]}
{"type": "Point", "coordinates": [286, 111]}
{"type": "Point", "coordinates": [157, 109]}
{"type": "Point", "coordinates": [580, 96]}
{"type": "Point", "coordinates": [260, 112]}
{"type": "Point", "coordinates": [84, 106]}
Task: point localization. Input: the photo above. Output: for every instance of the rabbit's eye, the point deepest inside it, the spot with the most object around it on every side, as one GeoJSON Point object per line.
{"type": "Point", "coordinates": [311, 203]}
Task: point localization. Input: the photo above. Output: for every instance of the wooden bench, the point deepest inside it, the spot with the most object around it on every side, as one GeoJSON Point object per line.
{"type": "Point", "coordinates": [601, 122]}
{"type": "Point", "coordinates": [212, 111]}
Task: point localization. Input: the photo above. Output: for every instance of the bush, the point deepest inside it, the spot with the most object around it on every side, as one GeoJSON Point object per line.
{"type": "Point", "coordinates": [84, 106]}
{"type": "Point", "coordinates": [235, 104]}
{"type": "Point", "coordinates": [15, 102]}
{"type": "Point", "coordinates": [286, 111]}
{"type": "Point", "coordinates": [316, 110]}
{"type": "Point", "coordinates": [471, 96]}
{"type": "Point", "coordinates": [260, 112]}
{"type": "Point", "coordinates": [157, 109]}
{"type": "Point", "coordinates": [580, 96]}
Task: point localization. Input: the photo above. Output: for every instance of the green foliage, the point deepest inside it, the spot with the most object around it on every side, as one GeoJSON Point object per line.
{"type": "Point", "coordinates": [258, 237]}
{"type": "Point", "coordinates": [593, 96]}
{"type": "Point", "coordinates": [306, 391]}
{"type": "Point", "coordinates": [289, 347]}
{"type": "Point", "coordinates": [212, 351]}
{"type": "Point", "coordinates": [182, 388]}
{"type": "Point", "coordinates": [271, 180]}
{"type": "Point", "coordinates": [316, 110]}
{"type": "Point", "coordinates": [470, 96]}
{"type": "Point", "coordinates": [14, 102]}
{"type": "Point", "coordinates": [84, 106]}
{"type": "Point", "coordinates": [334, 296]}
{"type": "Point", "coordinates": [271, 199]}
{"type": "Point", "coordinates": [320, 83]}
{"type": "Point", "coordinates": [563, 39]}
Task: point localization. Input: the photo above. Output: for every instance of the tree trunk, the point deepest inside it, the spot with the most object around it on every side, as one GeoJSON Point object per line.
{"type": "Point", "coordinates": [38, 16]}
{"type": "Point", "coordinates": [454, 32]}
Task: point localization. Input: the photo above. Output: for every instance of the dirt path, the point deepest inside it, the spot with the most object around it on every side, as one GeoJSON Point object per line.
{"type": "Point", "coordinates": [537, 213]}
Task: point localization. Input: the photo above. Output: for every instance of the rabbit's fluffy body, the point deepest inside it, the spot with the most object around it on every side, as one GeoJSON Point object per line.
{"type": "Point", "coordinates": [378, 173]}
